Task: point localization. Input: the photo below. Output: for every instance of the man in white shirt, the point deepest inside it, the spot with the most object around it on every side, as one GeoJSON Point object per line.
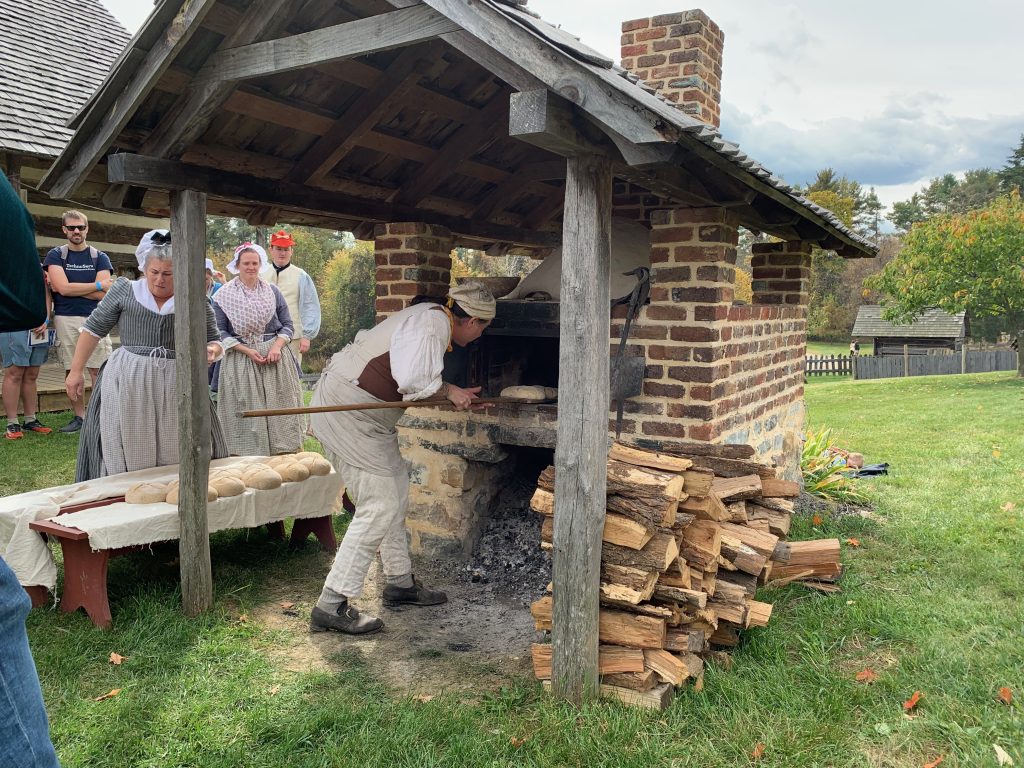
{"type": "Point", "coordinates": [299, 291]}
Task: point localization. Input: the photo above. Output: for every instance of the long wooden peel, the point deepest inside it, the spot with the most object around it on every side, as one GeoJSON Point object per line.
{"type": "Point", "coordinates": [400, 404]}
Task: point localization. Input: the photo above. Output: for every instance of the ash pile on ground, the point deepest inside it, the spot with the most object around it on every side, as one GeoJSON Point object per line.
{"type": "Point", "coordinates": [507, 560]}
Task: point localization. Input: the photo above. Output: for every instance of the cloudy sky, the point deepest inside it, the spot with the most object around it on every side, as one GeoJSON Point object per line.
{"type": "Point", "coordinates": [888, 93]}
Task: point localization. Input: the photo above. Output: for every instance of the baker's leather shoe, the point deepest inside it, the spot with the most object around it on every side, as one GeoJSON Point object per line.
{"type": "Point", "coordinates": [417, 594]}
{"type": "Point", "coordinates": [347, 620]}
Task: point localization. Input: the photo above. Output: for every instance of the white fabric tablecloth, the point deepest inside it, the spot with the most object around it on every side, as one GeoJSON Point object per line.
{"type": "Point", "coordinates": [123, 524]}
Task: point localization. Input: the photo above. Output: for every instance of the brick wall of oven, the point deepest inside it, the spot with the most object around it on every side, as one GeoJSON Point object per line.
{"type": "Point", "coordinates": [412, 259]}
{"type": "Point", "coordinates": [716, 371]}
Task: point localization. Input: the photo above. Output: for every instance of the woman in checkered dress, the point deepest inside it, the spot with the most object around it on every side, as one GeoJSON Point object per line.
{"type": "Point", "coordinates": [132, 420]}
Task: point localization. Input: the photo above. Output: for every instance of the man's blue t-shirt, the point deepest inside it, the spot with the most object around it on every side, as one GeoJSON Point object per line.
{"type": "Point", "coordinates": [79, 269]}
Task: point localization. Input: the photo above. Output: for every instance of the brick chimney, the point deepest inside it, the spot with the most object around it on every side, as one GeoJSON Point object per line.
{"type": "Point", "coordinates": [679, 54]}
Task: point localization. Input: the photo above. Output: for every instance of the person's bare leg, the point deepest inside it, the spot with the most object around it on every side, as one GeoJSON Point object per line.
{"type": "Point", "coordinates": [13, 376]}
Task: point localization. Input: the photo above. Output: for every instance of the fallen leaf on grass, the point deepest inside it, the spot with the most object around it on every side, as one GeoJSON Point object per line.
{"type": "Point", "coordinates": [1008, 507]}
{"type": "Point", "coordinates": [853, 542]}
{"type": "Point", "coordinates": [1006, 695]}
{"type": "Point", "coordinates": [517, 742]}
{"type": "Point", "coordinates": [287, 606]}
{"type": "Point", "coordinates": [116, 659]}
{"type": "Point", "coordinates": [817, 520]}
{"type": "Point", "coordinates": [423, 697]}
{"type": "Point", "coordinates": [866, 676]}
{"type": "Point", "coordinates": [1002, 756]}
{"type": "Point", "coordinates": [934, 763]}
{"type": "Point", "coordinates": [243, 618]}
{"type": "Point", "coordinates": [996, 454]}
{"type": "Point", "coordinates": [275, 690]}
{"type": "Point", "coordinates": [911, 703]}
{"type": "Point", "coordinates": [109, 695]}
{"type": "Point", "coordinates": [758, 751]}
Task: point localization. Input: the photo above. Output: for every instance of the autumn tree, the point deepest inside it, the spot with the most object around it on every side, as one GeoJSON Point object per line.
{"type": "Point", "coordinates": [347, 288]}
{"type": "Point", "coordinates": [1011, 176]}
{"type": "Point", "coordinates": [971, 261]}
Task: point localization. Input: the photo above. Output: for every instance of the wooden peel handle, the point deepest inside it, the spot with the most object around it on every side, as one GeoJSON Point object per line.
{"type": "Point", "coordinates": [376, 406]}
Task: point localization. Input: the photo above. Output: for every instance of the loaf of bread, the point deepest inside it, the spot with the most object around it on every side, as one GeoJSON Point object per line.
{"type": "Point", "coordinates": [172, 493]}
{"type": "Point", "coordinates": [146, 493]}
{"type": "Point", "coordinates": [531, 393]}
{"type": "Point", "coordinates": [261, 477]}
{"type": "Point", "coordinates": [315, 463]}
{"type": "Point", "coordinates": [292, 471]}
{"type": "Point", "coordinates": [227, 485]}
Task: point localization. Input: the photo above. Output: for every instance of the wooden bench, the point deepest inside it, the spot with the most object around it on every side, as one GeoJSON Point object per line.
{"type": "Point", "coordinates": [85, 569]}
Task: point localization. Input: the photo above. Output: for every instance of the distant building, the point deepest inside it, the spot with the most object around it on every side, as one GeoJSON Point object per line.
{"type": "Point", "coordinates": [931, 330]}
{"type": "Point", "coordinates": [56, 53]}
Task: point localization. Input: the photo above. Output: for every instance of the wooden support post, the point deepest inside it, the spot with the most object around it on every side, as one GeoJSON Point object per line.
{"type": "Point", "coordinates": [963, 357]}
{"type": "Point", "coordinates": [906, 359]}
{"type": "Point", "coordinates": [582, 449]}
{"type": "Point", "coordinates": [188, 230]}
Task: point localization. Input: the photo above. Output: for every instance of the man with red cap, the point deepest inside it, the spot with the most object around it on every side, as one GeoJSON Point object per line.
{"type": "Point", "coordinates": [298, 289]}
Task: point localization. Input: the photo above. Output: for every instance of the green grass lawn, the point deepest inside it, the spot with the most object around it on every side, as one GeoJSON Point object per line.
{"type": "Point", "coordinates": [931, 601]}
{"type": "Point", "coordinates": [828, 348]}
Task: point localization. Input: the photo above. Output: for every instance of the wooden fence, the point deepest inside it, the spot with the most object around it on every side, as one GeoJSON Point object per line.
{"type": "Point", "coordinates": [828, 365]}
{"type": "Point", "coordinates": [967, 361]}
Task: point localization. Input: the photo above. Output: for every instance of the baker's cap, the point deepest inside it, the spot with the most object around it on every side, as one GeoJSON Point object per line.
{"type": "Point", "coordinates": [474, 298]}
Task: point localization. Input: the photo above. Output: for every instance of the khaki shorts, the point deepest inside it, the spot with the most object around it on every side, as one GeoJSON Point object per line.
{"type": "Point", "coordinates": [67, 327]}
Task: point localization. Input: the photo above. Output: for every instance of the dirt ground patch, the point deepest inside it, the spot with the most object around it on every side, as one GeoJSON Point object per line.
{"type": "Point", "coordinates": [479, 641]}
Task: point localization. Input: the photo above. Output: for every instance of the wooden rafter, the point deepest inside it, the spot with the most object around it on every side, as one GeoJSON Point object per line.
{"type": "Point", "coordinates": [156, 173]}
{"type": "Point", "coordinates": [368, 110]}
{"type": "Point", "coordinates": [467, 141]}
{"type": "Point", "coordinates": [192, 113]}
{"type": "Point", "coordinates": [341, 41]}
{"type": "Point", "coordinates": [506, 192]}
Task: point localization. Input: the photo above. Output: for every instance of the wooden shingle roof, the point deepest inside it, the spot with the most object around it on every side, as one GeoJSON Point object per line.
{"type": "Point", "coordinates": [54, 55]}
{"type": "Point", "coordinates": [931, 324]}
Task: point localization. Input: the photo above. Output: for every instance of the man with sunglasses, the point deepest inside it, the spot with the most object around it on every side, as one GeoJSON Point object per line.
{"type": "Point", "coordinates": [79, 277]}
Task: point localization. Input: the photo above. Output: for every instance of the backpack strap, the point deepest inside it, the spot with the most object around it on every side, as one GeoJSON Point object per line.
{"type": "Point", "coordinates": [93, 254]}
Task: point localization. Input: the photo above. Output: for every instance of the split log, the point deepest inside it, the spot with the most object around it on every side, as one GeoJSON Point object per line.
{"type": "Point", "coordinates": [774, 487]}
{"type": "Point", "coordinates": [694, 664]}
{"type": "Point", "coordinates": [744, 558]}
{"type": "Point", "coordinates": [656, 492]}
{"type": "Point", "coordinates": [708, 508]}
{"type": "Point", "coordinates": [656, 554]}
{"type": "Point", "coordinates": [758, 613]}
{"type": "Point", "coordinates": [614, 627]}
{"type": "Point", "coordinates": [697, 481]}
{"type": "Point", "coordinates": [738, 578]}
{"type": "Point", "coordinates": [726, 636]}
{"type": "Point", "coordinates": [759, 525]}
{"type": "Point", "coordinates": [634, 681]}
{"type": "Point", "coordinates": [650, 459]}
{"type": "Point", "coordinates": [728, 592]}
{"type": "Point", "coordinates": [611, 659]}
{"type": "Point", "coordinates": [778, 522]}
{"type": "Point", "coordinates": [731, 467]}
{"type": "Point", "coordinates": [808, 553]}
{"type": "Point", "coordinates": [732, 488]}
{"type": "Point", "coordinates": [628, 585]}
{"type": "Point", "coordinates": [687, 597]}
{"type": "Point", "coordinates": [685, 639]}
{"type": "Point", "coordinates": [676, 575]}
{"type": "Point", "coordinates": [543, 502]}
{"type": "Point", "coordinates": [730, 451]}
{"type": "Point", "coordinates": [670, 613]}
{"type": "Point", "coordinates": [701, 544]}
{"type": "Point", "coordinates": [735, 613]}
{"type": "Point", "coordinates": [821, 571]}
{"type": "Point", "coordinates": [668, 667]}
{"type": "Point", "coordinates": [659, 697]}
{"type": "Point", "coordinates": [759, 541]}
{"type": "Point", "coordinates": [737, 512]}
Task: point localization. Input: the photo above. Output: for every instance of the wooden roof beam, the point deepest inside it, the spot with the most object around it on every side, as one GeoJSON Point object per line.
{"type": "Point", "coordinates": [395, 29]}
{"type": "Point", "coordinates": [193, 112]}
{"type": "Point", "coordinates": [462, 145]}
{"type": "Point", "coordinates": [507, 191]}
{"type": "Point", "coordinates": [361, 117]}
{"type": "Point", "coordinates": [156, 173]}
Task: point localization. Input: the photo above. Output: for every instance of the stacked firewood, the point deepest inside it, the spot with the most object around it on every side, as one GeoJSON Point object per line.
{"type": "Point", "coordinates": [687, 541]}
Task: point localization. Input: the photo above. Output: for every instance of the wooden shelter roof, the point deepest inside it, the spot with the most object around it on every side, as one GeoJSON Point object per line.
{"type": "Point", "coordinates": [932, 323]}
{"type": "Point", "coordinates": [343, 113]}
{"type": "Point", "coordinates": [55, 54]}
